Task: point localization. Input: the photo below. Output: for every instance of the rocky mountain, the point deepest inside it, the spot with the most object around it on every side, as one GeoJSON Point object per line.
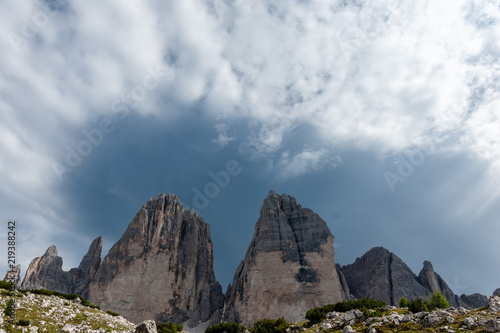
{"type": "Point", "coordinates": [14, 275]}
{"type": "Point", "coordinates": [46, 271]}
{"type": "Point", "coordinates": [161, 268]}
{"type": "Point", "coordinates": [434, 283]}
{"type": "Point", "coordinates": [496, 292]}
{"type": "Point", "coordinates": [380, 274]}
{"type": "Point", "coordinates": [288, 268]}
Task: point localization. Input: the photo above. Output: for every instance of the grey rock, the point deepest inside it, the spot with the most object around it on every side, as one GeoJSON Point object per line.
{"type": "Point", "coordinates": [434, 283]}
{"type": "Point", "coordinates": [469, 322]}
{"type": "Point", "coordinates": [490, 325]}
{"type": "Point", "coordinates": [161, 268]}
{"type": "Point", "coordinates": [148, 326]}
{"type": "Point", "coordinates": [81, 276]}
{"type": "Point", "coordinates": [450, 319]}
{"type": "Point", "coordinates": [289, 266]}
{"type": "Point", "coordinates": [348, 329]}
{"type": "Point", "coordinates": [46, 272]}
{"type": "Point", "coordinates": [345, 288]}
{"type": "Point", "coordinates": [494, 304]}
{"type": "Point", "coordinates": [473, 301]}
{"type": "Point", "coordinates": [14, 275]}
{"type": "Point", "coordinates": [68, 328]}
{"type": "Point", "coordinates": [496, 292]}
{"type": "Point", "coordinates": [380, 274]}
{"type": "Point", "coordinates": [430, 320]}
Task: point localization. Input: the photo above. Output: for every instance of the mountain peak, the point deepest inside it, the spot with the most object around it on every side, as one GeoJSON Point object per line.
{"type": "Point", "coordinates": [51, 251]}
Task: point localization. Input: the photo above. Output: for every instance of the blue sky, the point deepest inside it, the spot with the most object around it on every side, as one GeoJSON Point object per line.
{"type": "Point", "coordinates": [381, 116]}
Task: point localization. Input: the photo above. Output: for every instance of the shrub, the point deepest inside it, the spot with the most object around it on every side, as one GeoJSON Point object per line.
{"type": "Point", "coordinates": [23, 322]}
{"type": "Point", "coordinates": [6, 285]}
{"type": "Point", "coordinates": [168, 327]}
{"type": "Point", "coordinates": [225, 327]}
{"type": "Point", "coordinates": [270, 326]}
{"type": "Point", "coordinates": [438, 301]}
{"type": "Point", "coordinates": [403, 302]}
{"type": "Point", "coordinates": [418, 305]}
{"type": "Point", "coordinates": [115, 314]}
{"type": "Point", "coordinates": [317, 315]}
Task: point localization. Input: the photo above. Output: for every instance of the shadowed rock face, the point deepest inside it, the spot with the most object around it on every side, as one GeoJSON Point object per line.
{"type": "Point", "coordinates": [496, 292]}
{"type": "Point", "coordinates": [161, 268]}
{"type": "Point", "coordinates": [288, 268]}
{"type": "Point", "coordinates": [433, 282]}
{"type": "Point", "coordinates": [380, 274]}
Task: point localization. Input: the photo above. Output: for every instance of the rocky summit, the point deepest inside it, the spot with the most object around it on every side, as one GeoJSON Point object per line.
{"type": "Point", "coordinates": [380, 274]}
{"type": "Point", "coordinates": [46, 271]}
{"type": "Point", "coordinates": [161, 268]}
{"type": "Point", "coordinates": [288, 268]}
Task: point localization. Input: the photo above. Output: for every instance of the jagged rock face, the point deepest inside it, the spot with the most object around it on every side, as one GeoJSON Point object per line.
{"type": "Point", "coordinates": [380, 274]}
{"type": "Point", "coordinates": [289, 266]}
{"type": "Point", "coordinates": [46, 272]}
{"type": "Point", "coordinates": [473, 301]}
{"type": "Point", "coordinates": [14, 275]}
{"type": "Point", "coordinates": [82, 276]}
{"type": "Point", "coordinates": [161, 268]}
{"type": "Point", "coordinates": [434, 283]}
{"type": "Point", "coordinates": [346, 294]}
{"type": "Point", "coordinates": [496, 292]}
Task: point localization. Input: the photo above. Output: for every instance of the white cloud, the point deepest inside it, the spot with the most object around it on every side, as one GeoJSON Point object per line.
{"type": "Point", "coordinates": [379, 75]}
{"type": "Point", "coordinates": [222, 138]}
{"type": "Point", "coordinates": [305, 162]}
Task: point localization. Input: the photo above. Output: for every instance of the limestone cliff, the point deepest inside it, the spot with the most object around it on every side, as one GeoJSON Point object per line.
{"type": "Point", "coordinates": [289, 266]}
{"type": "Point", "coordinates": [46, 271]}
{"type": "Point", "coordinates": [161, 268]}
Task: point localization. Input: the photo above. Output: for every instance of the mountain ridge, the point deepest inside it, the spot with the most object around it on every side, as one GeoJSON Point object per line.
{"type": "Point", "coordinates": [292, 244]}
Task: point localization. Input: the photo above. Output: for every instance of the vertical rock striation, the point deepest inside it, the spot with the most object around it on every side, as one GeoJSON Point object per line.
{"type": "Point", "coordinates": [161, 268]}
{"type": "Point", "coordinates": [289, 266]}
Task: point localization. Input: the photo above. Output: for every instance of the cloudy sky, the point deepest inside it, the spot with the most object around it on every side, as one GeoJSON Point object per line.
{"type": "Point", "coordinates": [381, 116]}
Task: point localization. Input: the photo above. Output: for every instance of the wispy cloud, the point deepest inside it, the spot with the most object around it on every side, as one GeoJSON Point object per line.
{"type": "Point", "coordinates": [307, 161]}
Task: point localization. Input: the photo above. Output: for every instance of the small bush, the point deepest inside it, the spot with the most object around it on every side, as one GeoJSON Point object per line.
{"type": "Point", "coordinates": [168, 327]}
{"type": "Point", "coordinates": [438, 301]}
{"type": "Point", "coordinates": [418, 305]}
{"type": "Point", "coordinates": [114, 314]}
{"type": "Point", "coordinates": [270, 326]}
{"type": "Point", "coordinates": [23, 322]}
{"type": "Point", "coordinates": [317, 315]}
{"type": "Point", "coordinates": [6, 285]}
{"type": "Point", "coordinates": [403, 303]}
{"type": "Point", "coordinates": [225, 327]}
